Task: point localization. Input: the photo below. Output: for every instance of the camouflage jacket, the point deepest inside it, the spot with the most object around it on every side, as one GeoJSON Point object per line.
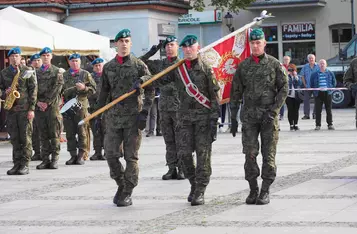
{"type": "Point", "coordinates": [26, 87]}
{"type": "Point", "coordinates": [69, 88]}
{"type": "Point", "coordinates": [189, 108]}
{"type": "Point", "coordinates": [50, 84]}
{"type": "Point", "coordinates": [262, 86]}
{"type": "Point", "coordinates": [93, 98]}
{"type": "Point", "coordinates": [169, 100]}
{"type": "Point", "coordinates": [117, 80]}
{"type": "Point", "coordinates": [350, 77]}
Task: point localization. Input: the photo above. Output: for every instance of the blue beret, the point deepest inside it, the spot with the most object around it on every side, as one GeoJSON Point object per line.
{"type": "Point", "coordinates": [97, 60]}
{"type": "Point", "coordinates": [169, 39]}
{"type": "Point", "coordinates": [122, 34]}
{"type": "Point", "coordinates": [35, 56]}
{"type": "Point", "coordinates": [45, 50]}
{"type": "Point", "coordinates": [15, 50]}
{"type": "Point", "coordinates": [256, 34]}
{"type": "Point", "coordinates": [188, 40]}
{"type": "Point", "coordinates": [74, 56]}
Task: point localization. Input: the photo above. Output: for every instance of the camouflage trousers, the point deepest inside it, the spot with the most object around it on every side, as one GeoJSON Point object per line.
{"type": "Point", "coordinates": [49, 124]}
{"type": "Point", "coordinates": [168, 123]}
{"type": "Point", "coordinates": [131, 139]}
{"type": "Point", "coordinates": [72, 129]}
{"type": "Point", "coordinates": [36, 140]}
{"type": "Point", "coordinates": [269, 135]}
{"type": "Point", "coordinates": [20, 131]}
{"type": "Point", "coordinates": [98, 134]}
{"type": "Point", "coordinates": [195, 136]}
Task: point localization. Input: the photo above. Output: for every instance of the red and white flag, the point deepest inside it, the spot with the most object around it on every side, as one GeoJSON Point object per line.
{"type": "Point", "coordinates": [224, 56]}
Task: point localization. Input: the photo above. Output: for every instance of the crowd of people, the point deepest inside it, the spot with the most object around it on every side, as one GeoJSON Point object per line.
{"type": "Point", "coordinates": [185, 101]}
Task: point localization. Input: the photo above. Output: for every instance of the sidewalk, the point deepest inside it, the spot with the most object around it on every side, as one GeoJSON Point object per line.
{"type": "Point", "coordinates": [315, 191]}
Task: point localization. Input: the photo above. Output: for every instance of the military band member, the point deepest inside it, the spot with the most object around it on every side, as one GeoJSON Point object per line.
{"type": "Point", "coordinates": [48, 119]}
{"type": "Point", "coordinates": [21, 114]}
{"type": "Point", "coordinates": [126, 119]}
{"type": "Point", "coordinates": [36, 62]}
{"type": "Point", "coordinates": [197, 117]}
{"type": "Point", "coordinates": [168, 105]}
{"type": "Point", "coordinates": [97, 129]}
{"type": "Point", "coordinates": [79, 84]}
{"type": "Point", "coordinates": [261, 83]}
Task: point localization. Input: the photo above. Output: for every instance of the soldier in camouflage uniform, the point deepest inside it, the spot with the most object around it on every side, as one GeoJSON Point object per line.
{"type": "Point", "coordinates": [168, 105]}
{"type": "Point", "coordinates": [20, 116]}
{"type": "Point", "coordinates": [350, 81]}
{"type": "Point", "coordinates": [48, 118]}
{"type": "Point", "coordinates": [196, 118]}
{"type": "Point", "coordinates": [127, 118]}
{"type": "Point", "coordinates": [78, 83]}
{"type": "Point", "coordinates": [36, 63]}
{"type": "Point", "coordinates": [261, 82]}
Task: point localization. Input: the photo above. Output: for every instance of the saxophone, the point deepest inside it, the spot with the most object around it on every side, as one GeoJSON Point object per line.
{"type": "Point", "coordinates": [14, 94]}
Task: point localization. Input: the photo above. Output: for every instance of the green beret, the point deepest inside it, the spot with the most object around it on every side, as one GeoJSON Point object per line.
{"type": "Point", "coordinates": [15, 50]}
{"type": "Point", "coordinates": [256, 34]}
{"type": "Point", "coordinates": [169, 39]}
{"type": "Point", "coordinates": [45, 50]}
{"type": "Point", "coordinates": [35, 56]}
{"type": "Point", "coordinates": [122, 34]}
{"type": "Point", "coordinates": [74, 56]}
{"type": "Point", "coordinates": [188, 40]}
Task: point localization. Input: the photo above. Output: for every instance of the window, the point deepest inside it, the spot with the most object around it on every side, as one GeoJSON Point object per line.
{"type": "Point", "coordinates": [272, 49]}
{"type": "Point", "coordinates": [271, 33]}
{"type": "Point", "coordinates": [298, 51]}
{"type": "Point", "coordinates": [351, 50]}
{"type": "Point", "coordinates": [345, 37]}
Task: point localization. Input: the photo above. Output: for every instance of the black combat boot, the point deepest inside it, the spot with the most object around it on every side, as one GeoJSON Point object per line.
{"type": "Point", "coordinates": [54, 162]}
{"type": "Point", "coordinates": [36, 157]}
{"type": "Point", "coordinates": [198, 198]}
{"type": "Point", "coordinates": [180, 175]}
{"type": "Point", "coordinates": [263, 198]}
{"type": "Point", "coordinates": [192, 192]}
{"type": "Point", "coordinates": [24, 169]}
{"type": "Point", "coordinates": [254, 191]}
{"type": "Point", "coordinates": [79, 160]}
{"type": "Point", "coordinates": [125, 199]}
{"type": "Point", "coordinates": [73, 158]}
{"type": "Point", "coordinates": [118, 194]}
{"type": "Point", "coordinates": [97, 155]}
{"type": "Point", "coordinates": [45, 163]}
{"type": "Point", "coordinates": [14, 169]}
{"type": "Point", "coordinates": [171, 174]}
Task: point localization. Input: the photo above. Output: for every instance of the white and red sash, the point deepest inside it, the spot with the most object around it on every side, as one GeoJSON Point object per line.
{"type": "Point", "coordinates": [192, 89]}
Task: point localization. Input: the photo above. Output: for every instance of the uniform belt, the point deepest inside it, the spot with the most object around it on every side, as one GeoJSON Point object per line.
{"type": "Point", "coordinates": [20, 107]}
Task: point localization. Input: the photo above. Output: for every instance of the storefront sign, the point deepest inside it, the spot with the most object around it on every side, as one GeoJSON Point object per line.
{"type": "Point", "coordinates": [298, 31]}
{"type": "Point", "coordinates": [166, 29]}
{"type": "Point", "coordinates": [205, 17]}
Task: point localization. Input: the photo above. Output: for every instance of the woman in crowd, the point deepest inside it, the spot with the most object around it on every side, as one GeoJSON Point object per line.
{"type": "Point", "coordinates": [294, 97]}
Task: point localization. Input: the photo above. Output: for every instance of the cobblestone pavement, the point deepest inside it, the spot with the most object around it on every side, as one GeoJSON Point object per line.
{"type": "Point", "coordinates": [315, 191]}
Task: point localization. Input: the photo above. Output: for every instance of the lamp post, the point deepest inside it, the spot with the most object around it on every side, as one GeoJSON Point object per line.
{"type": "Point", "coordinates": [228, 18]}
{"type": "Point", "coordinates": [352, 18]}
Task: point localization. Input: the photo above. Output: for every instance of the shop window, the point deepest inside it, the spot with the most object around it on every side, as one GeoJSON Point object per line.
{"type": "Point", "coordinates": [272, 49]}
{"type": "Point", "coordinates": [344, 37]}
{"type": "Point", "coordinates": [271, 33]}
{"type": "Point", "coordinates": [298, 51]}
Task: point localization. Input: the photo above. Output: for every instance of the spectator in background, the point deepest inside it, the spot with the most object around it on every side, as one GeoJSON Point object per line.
{"type": "Point", "coordinates": [151, 120]}
{"type": "Point", "coordinates": [286, 62]}
{"type": "Point", "coordinates": [323, 78]}
{"type": "Point", "coordinates": [305, 74]}
{"type": "Point", "coordinates": [23, 61]}
{"type": "Point", "coordinates": [293, 100]}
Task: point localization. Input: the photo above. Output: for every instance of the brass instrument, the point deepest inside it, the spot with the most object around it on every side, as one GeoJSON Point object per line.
{"type": "Point", "coordinates": [14, 94]}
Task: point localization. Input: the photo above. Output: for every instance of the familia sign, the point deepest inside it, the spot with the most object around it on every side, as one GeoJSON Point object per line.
{"type": "Point", "coordinates": [298, 31]}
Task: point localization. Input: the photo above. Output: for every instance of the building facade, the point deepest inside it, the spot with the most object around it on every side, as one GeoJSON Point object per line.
{"type": "Point", "coordinates": [301, 27]}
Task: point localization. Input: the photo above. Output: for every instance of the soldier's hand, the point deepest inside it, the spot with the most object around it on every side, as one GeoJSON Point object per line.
{"type": "Point", "coordinates": [142, 117]}
{"type": "Point", "coordinates": [30, 115]}
{"type": "Point", "coordinates": [80, 86]}
{"type": "Point", "coordinates": [137, 85]}
{"type": "Point", "coordinates": [234, 127]}
{"type": "Point", "coordinates": [268, 117]}
{"type": "Point", "coordinates": [213, 125]}
{"type": "Point", "coordinates": [7, 91]}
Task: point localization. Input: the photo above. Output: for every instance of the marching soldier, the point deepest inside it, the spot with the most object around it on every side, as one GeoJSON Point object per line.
{"type": "Point", "coordinates": [48, 119]}
{"type": "Point", "coordinates": [21, 112]}
{"type": "Point", "coordinates": [127, 118]}
{"type": "Point", "coordinates": [97, 129]}
{"type": "Point", "coordinates": [168, 106]}
{"type": "Point", "coordinates": [197, 117]}
{"type": "Point", "coordinates": [79, 84]}
{"type": "Point", "coordinates": [261, 81]}
{"type": "Point", "coordinates": [36, 63]}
